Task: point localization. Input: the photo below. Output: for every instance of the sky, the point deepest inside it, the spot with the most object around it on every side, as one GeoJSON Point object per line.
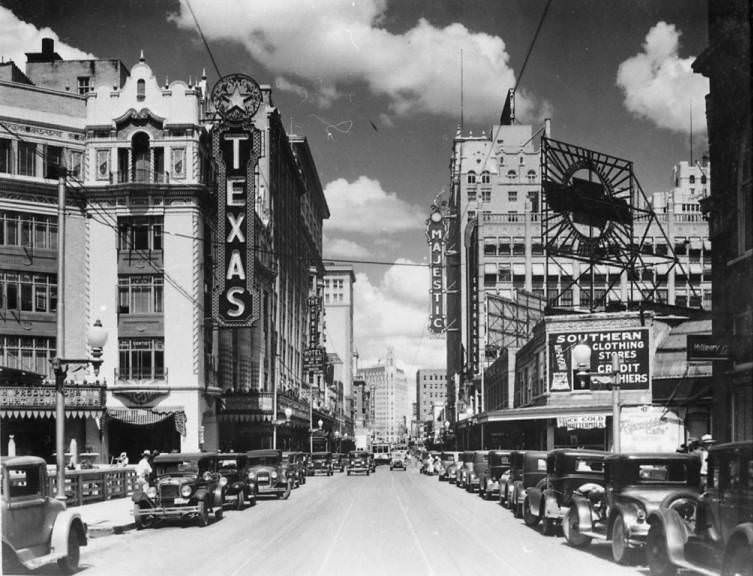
{"type": "Point", "coordinates": [375, 86]}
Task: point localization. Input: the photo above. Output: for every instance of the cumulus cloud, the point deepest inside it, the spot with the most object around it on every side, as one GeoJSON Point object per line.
{"type": "Point", "coordinates": [334, 43]}
{"type": "Point", "coordinates": [660, 86]}
{"type": "Point", "coordinates": [363, 206]}
{"type": "Point", "coordinates": [343, 248]}
{"type": "Point", "coordinates": [388, 313]}
{"type": "Point", "coordinates": [19, 37]}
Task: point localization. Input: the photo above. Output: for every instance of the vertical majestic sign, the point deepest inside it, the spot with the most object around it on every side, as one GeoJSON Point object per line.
{"type": "Point", "coordinates": [236, 147]}
{"type": "Point", "coordinates": [435, 235]}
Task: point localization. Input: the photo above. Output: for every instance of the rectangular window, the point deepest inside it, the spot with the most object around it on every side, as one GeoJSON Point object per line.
{"type": "Point", "coordinates": [471, 194]}
{"type": "Point", "coordinates": [27, 158]}
{"type": "Point", "coordinates": [6, 156]}
{"type": "Point", "coordinates": [27, 353]}
{"type": "Point", "coordinates": [142, 358]}
{"type": "Point", "coordinates": [486, 195]}
{"type": "Point", "coordinates": [53, 161]}
{"type": "Point", "coordinates": [490, 246]}
{"type": "Point", "coordinates": [74, 163]}
{"type": "Point", "coordinates": [140, 233]}
{"type": "Point", "coordinates": [680, 246]}
{"type": "Point", "coordinates": [179, 163]}
{"type": "Point", "coordinates": [83, 85]}
{"type": "Point", "coordinates": [505, 274]}
{"type": "Point", "coordinates": [140, 294]}
{"type": "Point", "coordinates": [519, 246]}
{"type": "Point", "coordinates": [103, 164]}
{"type": "Point", "coordinates": [512, 196]}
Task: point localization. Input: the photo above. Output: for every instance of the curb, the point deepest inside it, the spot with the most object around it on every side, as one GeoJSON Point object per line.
{"type": "Point", "coordinates": [100, 531]}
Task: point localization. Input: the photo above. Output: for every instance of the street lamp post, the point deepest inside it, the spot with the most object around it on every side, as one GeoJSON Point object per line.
{"type": "Point", "coordinates": [276, 422]}
{"type": "Point", "coordinates": [582, 359]}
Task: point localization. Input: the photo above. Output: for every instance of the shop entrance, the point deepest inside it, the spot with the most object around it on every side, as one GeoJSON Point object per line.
{"type": "Point", "coordinates": [133, 439]}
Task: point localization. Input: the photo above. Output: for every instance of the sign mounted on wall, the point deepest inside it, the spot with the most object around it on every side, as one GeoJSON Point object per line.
{"type": "Point", "coordinates": [236, 147]}
{"type": "Point", "coordinates": [435, 235]}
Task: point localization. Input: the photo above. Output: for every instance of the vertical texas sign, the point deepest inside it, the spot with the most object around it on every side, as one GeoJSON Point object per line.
{"type": "Point", "coordinates": [236, 146]}
{"type": "Point", "coordinates": [435, 235]}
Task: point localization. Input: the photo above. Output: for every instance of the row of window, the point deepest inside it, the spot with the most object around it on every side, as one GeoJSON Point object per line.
{"type": "Point", "coordinates": [28, 292]}
{"type": "Point", "coordinates": [140, 358]}
{"type": "Point", "coordinates": [485, 176]}
{"type": "Point", "coordinates": [25, 160]}
{"type": "Point", "coordinates": [27, 230]}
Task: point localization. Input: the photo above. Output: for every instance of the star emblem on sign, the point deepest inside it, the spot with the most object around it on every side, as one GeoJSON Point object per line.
{"type": "Point", "coordinates": [236, 97]}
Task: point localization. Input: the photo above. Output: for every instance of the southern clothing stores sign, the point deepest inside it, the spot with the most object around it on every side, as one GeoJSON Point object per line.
{"type": "Point", "coordinates": [236, 147]}
{"type": "Point", "coordinates": [631, 346]}
{"type": "Point", "coordinates": [435, 234]}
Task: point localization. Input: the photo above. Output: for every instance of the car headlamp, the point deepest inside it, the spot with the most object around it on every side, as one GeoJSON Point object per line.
{"type": "Point", "coordinates": [252, 475]}
{"type": "Point", "coordinates": [185, 490]}
{"type": "Point", "coordinates": [223, 481]}
{"type": "Point", "coordinates": [207, 476]}
{"type": "Point", "coordinates": [151, 492]}
{"type": "Point", "coordinates": [274, 474]}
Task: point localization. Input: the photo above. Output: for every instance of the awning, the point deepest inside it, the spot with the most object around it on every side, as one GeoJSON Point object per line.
{"type": "Point", "coordinates": [544, 413]}
{"type": "Point", "coordinates": [696, 269]}
{"type": "Point", "coordinates": [537, 269]}
{"type": "Point", "coordinates": [490, 268]}
{"type": "Point", "coordinates": [38, 413]}
{"type": "Point", "coordinates": [696, 244]}
{"type": "Point", "coordinates": [519, 269]}
{"type": "Point", "coordinates": [707, 245]}
{"type": "Point", "coordinates": [149, 416]}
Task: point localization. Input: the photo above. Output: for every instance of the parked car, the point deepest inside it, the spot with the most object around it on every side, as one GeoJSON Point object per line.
{"type": "Point", "coordinates": [465, 466]}
{"type": "Point", "coordinates": [37, 528]}
{"type": "Point", "coordinates": [239, 490]}
{"type": "Point", "coordinates": [322, 463]}
{"type": "Point", "coordinates": [636, 485]}
{"type": "Point", "coordinates": [358, 461]}
{"type": "Point", "coordinates": [532, 474]}
{"type": "Point", "coordinates": [187, 486]}
{"type": "Point", "coordinates": [498, 464]}
{"type": "Point", "coordinates": [719, 538]}
{"type": "Point", "coordinates": [569, 472]}
{"type": "Point", "coordinates": [479, 467]}
{"type": "Point", "coordinates": [447, 465]}
{"type": "Point", "coordinates": [507, 480]}
{"type": "Point", "coordinates": [295, 468]}
{"type": "Point", "coordinates": [265, 467]}
{"type": "Point", "coordinates": [338, 461]}
{"type": "Point", "coordinates": [397, 459]}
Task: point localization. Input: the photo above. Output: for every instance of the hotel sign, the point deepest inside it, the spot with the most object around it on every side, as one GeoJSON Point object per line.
{"type": "Point", "coordinates": [236, 147]}
{"type": "Point", "coordinates": [436, 235]}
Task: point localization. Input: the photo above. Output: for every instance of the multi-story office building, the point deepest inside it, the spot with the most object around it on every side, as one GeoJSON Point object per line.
{"type": "Point", "coordinates": [431, 393]}
{"type": "Point", "coordinates": [389, 407]}
{"type": "Point", "coordinates": [140, 256]}
{"type": "Point", "coordinates": [727, 64]}
{"type": "Point", "coordinates": [338, 309]}
{"type": "Point", "coordinates": [496, 245]}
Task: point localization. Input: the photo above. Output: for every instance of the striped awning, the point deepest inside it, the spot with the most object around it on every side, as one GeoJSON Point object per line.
{"type": "Point", "coordinates": [41, 413]}
{"type": "Point", "coordinates": [148, 416]}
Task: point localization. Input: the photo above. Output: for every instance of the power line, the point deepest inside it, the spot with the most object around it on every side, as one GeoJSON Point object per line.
{"type": "Point", "coordinates": [203, 39]}
{"type": "Point", "coordinates": [533, 42]}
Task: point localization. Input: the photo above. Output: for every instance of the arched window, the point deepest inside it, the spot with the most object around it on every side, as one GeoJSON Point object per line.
{"type": "Point", "coordinates": [140, 89]}
{"type": "Point", "coordinates": [692, 179]}
{"type": "Point", "coordinates": [140, 156]}
{"type": "Point", "coordinates": [471, 177]}
{"type": "Point", "coordinates": [532, 176]}
{"type": "Point", "coordinates": [512, 174]}
{"type": "Point", "coordinates": [485, 178]}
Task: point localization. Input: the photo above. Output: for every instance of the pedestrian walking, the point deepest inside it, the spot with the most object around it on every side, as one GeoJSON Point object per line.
{"type": "Point", "coordinates": [143, 470]}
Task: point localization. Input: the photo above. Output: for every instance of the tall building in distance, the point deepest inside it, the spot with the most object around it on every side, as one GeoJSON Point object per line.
{"type": "Point", "coordinates": [338, 309]}
{"type": "Point", "coordinates": [727, 64]}
{"type": "Point", "coordinates": [389, 405]}
{"type": "Point", "coordinates": [496, 210]}
{"type": "Point", "coordinates": [431, 399]}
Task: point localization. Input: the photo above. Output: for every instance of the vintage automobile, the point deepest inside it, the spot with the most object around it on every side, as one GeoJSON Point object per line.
{"type": "Point", "coordinates": [186, 486]}
{"type": "Point", "coordinates": [532, 474]}
{"type": "Point", "coordinates": [397, 459]}
{"type": "Point", "coordinates": [719, 537]}
{"type": "Point", "coordinates": [569, 472]}
{"type": "Point", "coordinates": [465, 466]}
{"type": "Point", "coordinates": [294, 467]}
{"type": "Point", "coordinates": [479, 469]}
{"type": "Point", "coordinates": [358, 461]}
{"type": "Point", "coordinates": [239, 490]}
{"type": "Point", "coordinates": [507, 480]}
{"type": "Point", "coordinates": [265, 467]}
{"type": "Point", "coordinates": [338, 461]}
{"type": "Point", "coordinates": [322, 463]}
{"type": "Point", "coordinates": [636, 485]}
{"type": "Point", "coordinates": [447, 466]}
{"type": "Point", "coordinates": [498, 464]}
{"type": "Point", "coordinates": [37, 528]}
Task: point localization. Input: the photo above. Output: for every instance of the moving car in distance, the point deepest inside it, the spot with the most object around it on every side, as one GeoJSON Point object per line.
{"type": "Point", "coordinates": [397, 459]}
{"type": "Point", "coordinates": [358, 462]}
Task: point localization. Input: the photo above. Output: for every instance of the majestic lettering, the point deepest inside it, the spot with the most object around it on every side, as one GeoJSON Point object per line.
{"type": "Point", "coordinates": [435, 235]}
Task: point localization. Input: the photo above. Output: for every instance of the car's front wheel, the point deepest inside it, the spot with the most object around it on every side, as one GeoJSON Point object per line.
{"type": "Point", "coordinates": [657, 556]}
{"type": "Point", "coordinates": [622, 553]}
{"type": "Point", "coordinates": [203, 516]}
{"type": "Point", "coordinates": [69, 563]}
{"type": "Point", "coordinates": [286, 494]}
{"type": "Point", "coordinates": [571, 530]}
{"type": "Point", "coordinates": [529, 517]}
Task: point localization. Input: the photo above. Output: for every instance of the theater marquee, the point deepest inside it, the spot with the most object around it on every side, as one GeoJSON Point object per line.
{"type": "Point", "coordinates": [435, 235]}
{"type": "Point", "coordinates": [236, 147]}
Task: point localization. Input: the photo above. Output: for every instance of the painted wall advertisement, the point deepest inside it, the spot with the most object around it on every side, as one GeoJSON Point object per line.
{"type": "Point", "coordinates": [650, 429]}
{"type": "Point", "coordinates": [631, 345]}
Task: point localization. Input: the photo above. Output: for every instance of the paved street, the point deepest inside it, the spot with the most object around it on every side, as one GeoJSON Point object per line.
{"type": "Point", "coordinates": [387, 523]}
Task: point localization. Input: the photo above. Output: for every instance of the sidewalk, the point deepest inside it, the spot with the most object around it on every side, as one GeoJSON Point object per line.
{"type": "Point", "coordinates": [107, 517]}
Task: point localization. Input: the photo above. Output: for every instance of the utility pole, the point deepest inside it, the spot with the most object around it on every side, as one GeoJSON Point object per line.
{"type": "Point", "coordinates": [59, 367]}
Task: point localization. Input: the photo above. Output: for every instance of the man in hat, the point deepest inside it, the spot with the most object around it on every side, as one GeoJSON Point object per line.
{"type": "Point", "coordinates": [143, 470]}
{"type": "Point", "coordinates": [703, 452]}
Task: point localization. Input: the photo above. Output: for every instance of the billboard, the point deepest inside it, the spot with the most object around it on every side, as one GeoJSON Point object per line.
{"type": "Point", "coordinates": [236, 147]}
{"type": "Point", "coordinates": [630, 344]}
{"type": "Point", "coordinates": [436, 235]}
